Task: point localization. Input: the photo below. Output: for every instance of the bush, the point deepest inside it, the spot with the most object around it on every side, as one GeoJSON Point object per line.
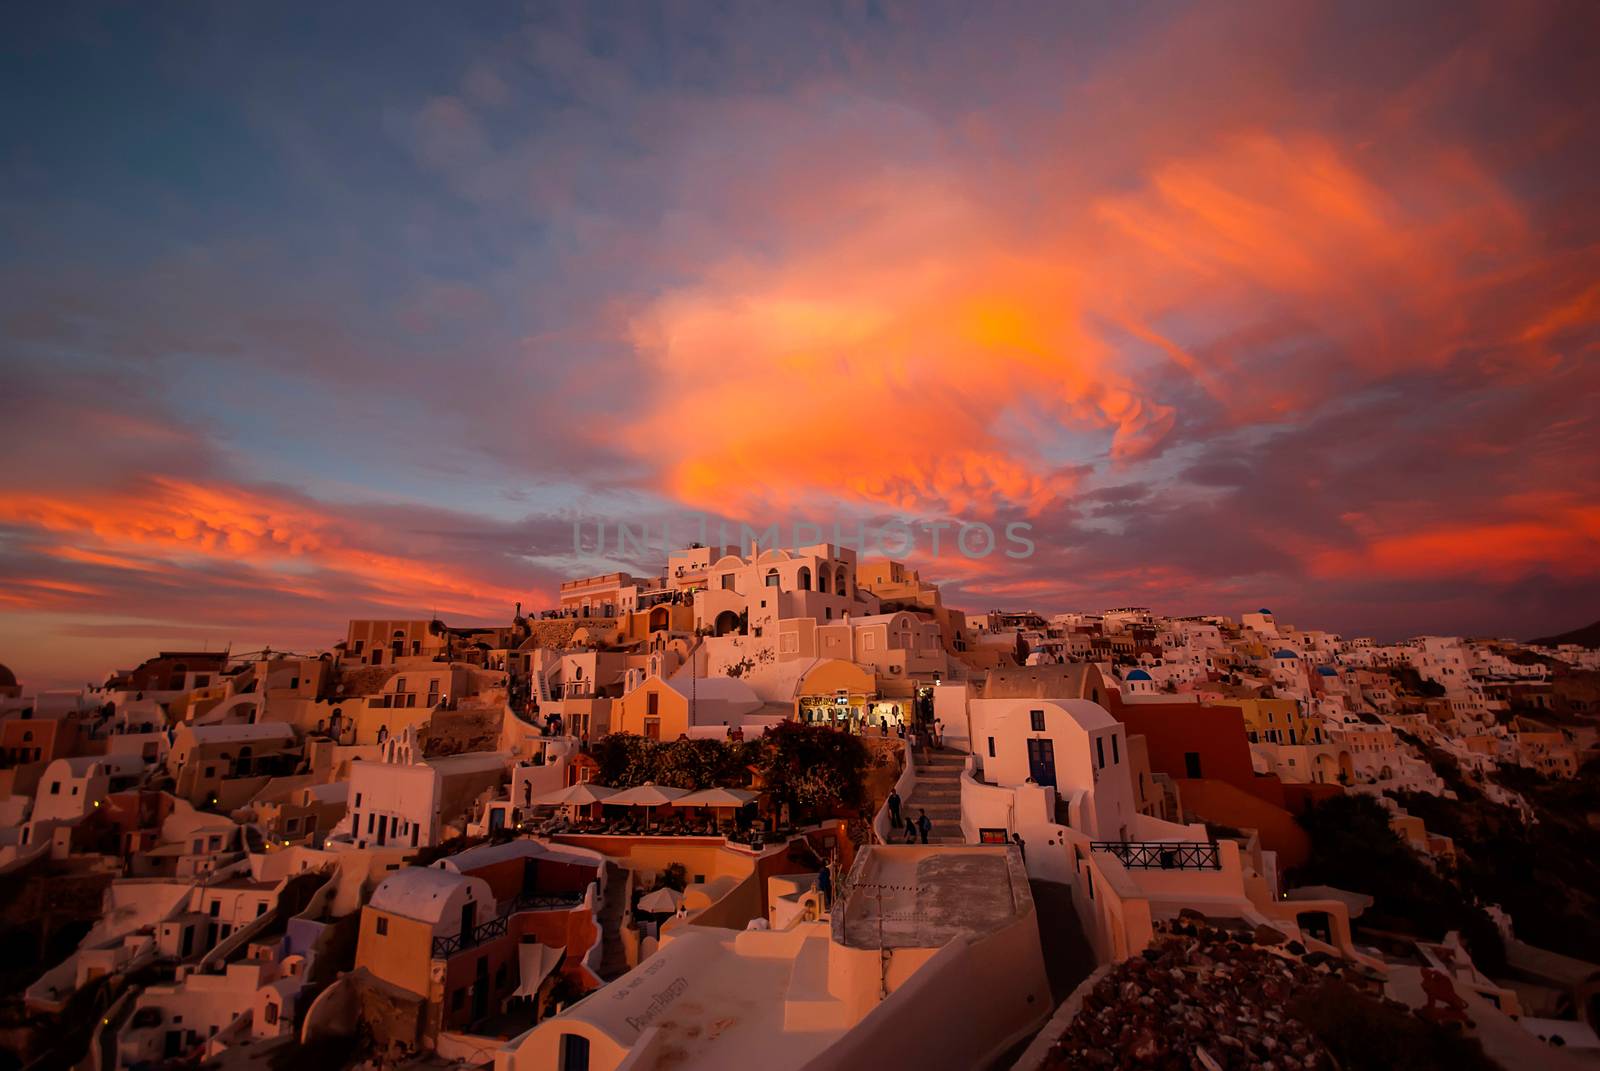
{"type": "Point", "coordinates": [816, 770]}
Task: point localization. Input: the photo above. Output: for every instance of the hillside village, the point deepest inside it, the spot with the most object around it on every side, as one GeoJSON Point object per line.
{"type": "Point", "coordinates": [786, 808]}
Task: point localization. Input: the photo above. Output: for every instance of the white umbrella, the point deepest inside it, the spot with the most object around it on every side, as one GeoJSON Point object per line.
{"type": "Point", "coordinates": [536, 962]}
{"type": "Point", "coordinates": [647, 795]}
{"type": "Point", "coordinates": [579, 795]}
{"type": "Point", "coordinates": [717, 797]}
{"type": "Point", "coordinates": [664, 901]}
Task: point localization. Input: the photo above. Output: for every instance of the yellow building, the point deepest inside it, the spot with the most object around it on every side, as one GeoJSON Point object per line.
{"type": "Point", "coordinates": [1278, 721]}
{"type": "Point", "coordinates": [662, 709]}
{"type": "Point", "coordinates": [839, 694]}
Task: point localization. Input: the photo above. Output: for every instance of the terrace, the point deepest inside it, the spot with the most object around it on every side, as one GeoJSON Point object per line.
{"type": "Point", "coordinates": [1161, 855]}
{"type": "Point", "coordinates": [456, 943]}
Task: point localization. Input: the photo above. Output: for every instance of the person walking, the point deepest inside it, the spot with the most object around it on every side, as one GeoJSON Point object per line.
{"type": "Point", "coordinates": [894, 809]}
{"type": "Point", "coordinates": [911, 830]}
{"type": "Point", "coordinates": [1022, 847]}
{"type": "Point", "coordinates": [825, 887]}
{"type": "Point", "coordinates": [924, 826]}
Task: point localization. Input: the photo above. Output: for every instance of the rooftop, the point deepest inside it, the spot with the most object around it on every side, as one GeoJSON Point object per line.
{"type": "Point", "coordinates": [716, 998]}
{"type": "Point", "coordinates": [417, 892]}
{"type": "Point", "coordinates": [928, 896]}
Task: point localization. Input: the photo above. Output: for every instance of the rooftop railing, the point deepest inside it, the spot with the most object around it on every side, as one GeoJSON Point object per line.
{"type": "Point", "coordinates": [456, 943]}
{"type": "Point", "coordinates": [1162, 855]}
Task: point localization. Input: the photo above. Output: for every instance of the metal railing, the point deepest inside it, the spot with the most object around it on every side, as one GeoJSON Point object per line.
{"type": "Point", "coordinates": [456, 943]}
{"type": "Point", "coordinates": [1162, 855]}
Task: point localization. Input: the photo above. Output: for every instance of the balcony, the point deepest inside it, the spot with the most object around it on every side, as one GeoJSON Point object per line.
{"type": "Point", "coordinates": [1162, 855]}
{"type": "Point", "coordinates": [455, 944]}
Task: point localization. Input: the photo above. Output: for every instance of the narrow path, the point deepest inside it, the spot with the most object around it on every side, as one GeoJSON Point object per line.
{"type": "Point", "coordinates": [1068, 959]}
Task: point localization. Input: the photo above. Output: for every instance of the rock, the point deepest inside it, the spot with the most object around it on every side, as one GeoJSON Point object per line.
{"type": "Point", "coordinates": [1268, 935]}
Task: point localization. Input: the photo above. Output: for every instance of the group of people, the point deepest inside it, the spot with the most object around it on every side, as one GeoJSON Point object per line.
{"type": "Point", "coordinates": [915, 829]}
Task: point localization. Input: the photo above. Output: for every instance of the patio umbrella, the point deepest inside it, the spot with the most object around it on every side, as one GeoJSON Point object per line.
{"type": "Point", "coordinates": [663, 901]}
{"type": "Point", "coordinates": [579, 795]}
{"type": "Point", "coordinates": [649, 796]}
{"type": "Point", "coordinates": [717, 797]}
{"type": "Point", "coordinates": [536, 962]}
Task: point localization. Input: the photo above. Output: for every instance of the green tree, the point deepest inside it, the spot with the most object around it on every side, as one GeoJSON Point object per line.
{"type": "Point", "coordinates": [816, 770]}
{"type": "Point", "coordinates": [625, 759]}
{"type": "Point", "coordinates": [675, 876]}
{"type": "Point", "coordinates": [691, 764]}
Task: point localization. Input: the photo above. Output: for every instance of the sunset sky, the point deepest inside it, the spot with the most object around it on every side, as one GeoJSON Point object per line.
{"type": "Point", "coordinates": [316, 314]}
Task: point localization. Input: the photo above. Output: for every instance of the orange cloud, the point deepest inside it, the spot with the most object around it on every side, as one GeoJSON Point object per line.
{"type": "Point", "coordinates": [1564, 538]}
{"type": "Point", "coordinates": [177, 521]}
{"type": "Point", "coordinates": [935, 352]}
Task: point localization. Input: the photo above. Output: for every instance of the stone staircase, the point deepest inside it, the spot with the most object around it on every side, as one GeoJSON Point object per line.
{"type": "Point", "coordinates": [938, 791]}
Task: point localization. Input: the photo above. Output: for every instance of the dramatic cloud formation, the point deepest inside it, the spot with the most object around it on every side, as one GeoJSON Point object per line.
{"type": "Point", "coordinates": [1293, 304]}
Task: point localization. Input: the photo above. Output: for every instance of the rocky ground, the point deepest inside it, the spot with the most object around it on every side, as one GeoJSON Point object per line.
{"type": "Point", "coordinates": [1203, 996]}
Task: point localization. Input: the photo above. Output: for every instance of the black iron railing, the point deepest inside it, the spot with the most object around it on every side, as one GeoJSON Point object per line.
{"type": "Point", "coordinates": [445, 947]}
{"type": "Point", "coordinates": [1162, 855]}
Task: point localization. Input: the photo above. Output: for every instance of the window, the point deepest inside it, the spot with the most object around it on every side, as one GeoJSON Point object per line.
{"type": "Point", "coordinates": [727, 581]}
{"type": "Point", "coordinates": [1191, 764]}
{"type": "Point", "coordinates": [216, 908]}
{"type": "Point", "coordinates": [1100, 751]}
{"type": "Point", "coordinates": [991, 747]}
{"type": "Point", "coordinates": [261, 908]}
{"type": "Point", "coordinates": [55, 788]}
{"type": "Point", "coordinates": [358, 799]}
{"type": "Point", "coordinates": [1036, 720]}
{"type": "Point", "coordinates": [383, 925]}
{"type": "Point", "coordinates": [652, 705]}
{"type": "Point", "coordinates": [271, 1014]}
{"type": "Point", "coordinates": [772, 578]}
{"type": "Point", "coordinates": [574, 1052]}
{"type": "Point", "coordinates": [1116, 751]}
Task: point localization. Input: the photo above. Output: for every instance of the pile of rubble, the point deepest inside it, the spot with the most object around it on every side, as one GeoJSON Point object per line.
{"type": "Point", "coordinates": [1203, 996]}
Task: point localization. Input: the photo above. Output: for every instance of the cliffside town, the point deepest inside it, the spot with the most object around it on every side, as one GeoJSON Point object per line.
{"type": "Point", "coordinates": [786, 808]}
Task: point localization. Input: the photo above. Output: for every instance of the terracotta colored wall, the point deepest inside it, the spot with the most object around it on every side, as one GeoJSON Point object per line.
{"type": "Point", "coordinates": [1219, 801]}
{"type": "Point", "coordinates": [553, 876]}
{"type": "Point", "coordinates": [1216, 733]}
{"type": "Point", "coordinates": [1298, 798]}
